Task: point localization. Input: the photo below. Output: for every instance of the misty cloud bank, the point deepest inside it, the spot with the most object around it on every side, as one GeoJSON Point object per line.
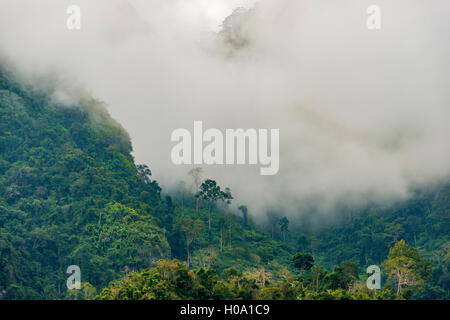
{"type": "Point", "coordinates": [363, 115]}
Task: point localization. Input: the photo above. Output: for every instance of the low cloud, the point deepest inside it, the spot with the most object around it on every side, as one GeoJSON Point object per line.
{"type": "Point", "coordinates": [363, 115]}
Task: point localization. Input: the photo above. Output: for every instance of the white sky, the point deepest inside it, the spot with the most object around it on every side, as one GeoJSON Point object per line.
{"type": "Point", "coordinates": [207, 13]}
{"type": "Point", "coordinates": [363, 115]}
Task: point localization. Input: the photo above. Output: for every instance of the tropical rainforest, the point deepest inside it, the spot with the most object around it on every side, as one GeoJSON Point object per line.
{"type": "Point", "coordinates": [72, 194]}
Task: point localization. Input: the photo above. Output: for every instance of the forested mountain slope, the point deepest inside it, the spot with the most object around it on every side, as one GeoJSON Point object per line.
{"type": "Point", "coordinates": [71, 194]}
{"type": "Point", "coordinates": [409, 238]}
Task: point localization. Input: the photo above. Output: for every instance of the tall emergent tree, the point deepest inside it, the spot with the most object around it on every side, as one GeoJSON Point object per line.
{"type": "Point", "coordinates": [274, 219]}
{"type": "Point", "coordinates": [196, 175]}
{"type": "Point", "coordinates": [191, 229]}
{"type": "Point", "coordinates": [406, 267]}
{"type": "Point", "coordinates": [284, 227]}
{"type": "Point", "coordinates": [244, 211]}
{"type": "Point", "coordinates": [210, 193]}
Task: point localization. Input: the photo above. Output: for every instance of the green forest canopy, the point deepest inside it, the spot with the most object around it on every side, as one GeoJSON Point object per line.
{"type": "Point", "coordinates": [71, 194]}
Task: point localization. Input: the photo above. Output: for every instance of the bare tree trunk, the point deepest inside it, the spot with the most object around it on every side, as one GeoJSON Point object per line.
{"type": "Point", "coordinates": [399, 287]}
{"type": "Point", "coordinates": [188, 256]}
{"type": "Point", "coordinates": [221, 239]}
{"type": "Point", "coordinates": [317, 282]}
{"type": "Point", "coordinates": [263, 277]}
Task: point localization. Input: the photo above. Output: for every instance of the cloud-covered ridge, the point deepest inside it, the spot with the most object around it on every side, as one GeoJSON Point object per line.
{"type": "Point", "coordinates": [363, 115]}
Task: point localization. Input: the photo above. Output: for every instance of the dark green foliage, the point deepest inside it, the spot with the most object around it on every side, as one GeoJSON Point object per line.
{"type": "Point", "coordinates": [344, 275]}
{"type": "Point", "coordinates": [284, 227]}
{"type": "Point", "coordinates": [210, 193]}
{"type": "Point", "coordinates": [244, 211]}
{"type": "Point", "coordinates": [69, 194]}
{"type": "Point", "coordinates": [172, 280]}
{"type": "Point", "coordinates": [365, 237]}
{"type": "Point", "coordinates": [303, 261]}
